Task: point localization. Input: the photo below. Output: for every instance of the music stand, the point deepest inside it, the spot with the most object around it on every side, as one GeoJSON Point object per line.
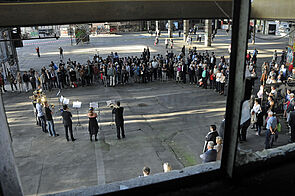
{"type": "Point", "coordinates": [77, 106]}
{"type": "Point", "coordinates": [111, 104]}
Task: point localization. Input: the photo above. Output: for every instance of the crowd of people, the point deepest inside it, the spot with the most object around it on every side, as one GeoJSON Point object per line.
{"type": "Point", "coordinates": [263, 109]}
{"type": "Point", "coordinates": [199, 68]}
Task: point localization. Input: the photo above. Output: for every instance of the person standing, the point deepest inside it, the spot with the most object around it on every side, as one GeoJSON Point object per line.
{"type": "Point", "coordinates": [211, 136]}
{"type": "Point", "coordinates": [2, 83]}
{"type": "Point", "coordinates": [12, 81]}
{"type": "Point", "coordinates": [26, 80]}
{"type": "Point", "coordinates": [210, 155]}
{"type": "Point", "coordinates": [166, 43]}
{"type": "Point", "coordinates": [271, 126]}
{"type": "Point", "coordinates": [61, 55]}
{"type": "Point", "coordinates": [218, 147]}
{"type": "Point", "coordinates": [292, 125]}
{"type": "Point", "coordinates": [40, 115]}
{"type": "Point", "coordinates": [49, 120]}
{"type": "Point", "coordinates": [222, 83]}
{"type": "Point", "coordinates": [93, 125]}
{"type": "Point", "coordinates": [19, 81]}
{"type": "Point", "coordinates": [38, 51]}
{"type": "Point", "coordinates": [245, 120]}
{"type": "Point", "coordinates": [119, 120]}
{"type": "Point", "coordinates": [67, 121]}
{"type": "Point", "coordinates": [205, 77]}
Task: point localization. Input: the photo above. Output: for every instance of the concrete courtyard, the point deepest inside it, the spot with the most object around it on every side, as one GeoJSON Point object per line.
{"type": "Point", "coordinates": [164, 121]}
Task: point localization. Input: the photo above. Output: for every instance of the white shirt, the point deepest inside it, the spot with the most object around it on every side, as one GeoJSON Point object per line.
{"type": "Point", "coordinates": [245, 112]}
{"type": "Point", "coordinates": [39, 110]}
{"type": "Point", "coordinates": [155, 64]}
{"type": "Point", "coordinates": [218, 75]}
{"type": "Point", "coordinates": [256, 109]}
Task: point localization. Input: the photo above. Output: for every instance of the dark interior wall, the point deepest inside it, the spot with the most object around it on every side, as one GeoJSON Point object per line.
{"type": "Point", "coordinates": [277, 181]}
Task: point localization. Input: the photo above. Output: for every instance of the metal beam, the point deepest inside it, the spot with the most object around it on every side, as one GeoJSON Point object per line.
{"type": "Point", "coordinates": [236, 88]}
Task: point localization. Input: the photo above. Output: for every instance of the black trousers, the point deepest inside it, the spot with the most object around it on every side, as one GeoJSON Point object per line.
{"type": "Point", "coordinates": [67, 129]}
{"type": "Point", "coordinates": [43, 123]}
{"type": "Point", "coordinates": [120, 126]}
{"type": "Point", "coordinates": [244, 128]}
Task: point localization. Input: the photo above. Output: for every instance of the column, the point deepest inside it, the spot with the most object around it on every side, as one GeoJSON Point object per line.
{"type": "Point", "coordinates": [208, 32]}
{"type": "Point", "coordinates": [185, 29]}
{"type": "Point", "coordinates": [254, 32]}
{"type": "Point", "coordinates": [9, 178]}
{"type": "Point", "coordinates": [236, 88]}
{"type": "Point", "coordinates": [264, 27]}
{"type": "Point", "coordinates": [216, 23]}
{"type": "Point", "coordinates": [157, 27]}
{"type": "Point", "coordinates": [148, 23]}
{"type": "Point", "coordinates": [170, 30]}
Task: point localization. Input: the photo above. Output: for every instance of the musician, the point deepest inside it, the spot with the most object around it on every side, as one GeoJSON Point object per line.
{"type": "Point", "coordinates": [93, 125]}
{"type": "Point", "coordinates": [67, 121]}
{"type": "Point", "coordinates": [34, 102]}
{"type": "Point", "coordinates": [118, 111]}
{"type": "Point", "coordinates": [40, 115]}
{"type": "Point", "coordinates": [49, 120]}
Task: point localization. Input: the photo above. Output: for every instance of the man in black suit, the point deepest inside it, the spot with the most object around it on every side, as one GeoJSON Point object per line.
{"type": "Point", "coordinates": [211, 154]}
{"type": "Point", "coordinates": [67, 121]}
{"type": "Point", "coordinates": [211, 136]}
{"type": "Point", "coordinates": [292, 125]}
{"type": "Point", "coordinates": [118, 111]}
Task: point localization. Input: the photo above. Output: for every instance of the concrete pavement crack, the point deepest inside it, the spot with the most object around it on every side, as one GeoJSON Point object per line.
{"type": "Point", "coordinates": [39, 182]}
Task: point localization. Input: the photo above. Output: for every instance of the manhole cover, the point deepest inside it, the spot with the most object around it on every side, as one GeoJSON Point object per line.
{"type": "Point", "coordinates": [142, 104]}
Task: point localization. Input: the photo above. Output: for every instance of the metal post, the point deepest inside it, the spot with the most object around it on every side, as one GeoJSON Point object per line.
{"type": "Point", "coordinates": [236, 89]}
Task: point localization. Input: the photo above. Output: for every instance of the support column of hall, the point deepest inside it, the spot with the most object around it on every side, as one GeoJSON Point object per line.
{"type": "Point", "coordinates": [185, 29]}
{"type": "Point", "coordinates": [170, 30]}
{"type": "Point", "coordinates": [208, 32]}
{"type": "Point", "coordinates": [157, 28]}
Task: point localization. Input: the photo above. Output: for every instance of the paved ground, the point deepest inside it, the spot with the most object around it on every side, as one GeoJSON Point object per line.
{"type": "Point", "coordinates": [165, 122]}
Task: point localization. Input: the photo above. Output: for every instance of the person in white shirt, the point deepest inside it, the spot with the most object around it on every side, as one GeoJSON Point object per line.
{"type": "Point", "coordinates": [218, 76]}
{"type": "Point", "coordinates": [245, 120]}
{"type": "Point", "coordinates": [40, 115]}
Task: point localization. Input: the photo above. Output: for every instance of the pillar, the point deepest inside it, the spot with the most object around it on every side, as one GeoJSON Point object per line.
{"type": "Point", "coordinates": [216, 24]}
{"type": "Point", "coordinates": [185, 29]}
{"type": "Point", "coordinates": [157, 27]}
{"type": "Point", "coordinates": [170, 29]}
{"type": "Point", "coordinates": [9, 178]}
{"type": "Point", "coordinates": [264, 27]}
{"type": "Point", "coordinates": [254, 32]}
{"type": "Point", "coordinates": [208, 32]}
{"type": "Point", "coordinates": [237, 81]}
{"type": "Point", "coordinates": [148, 23]}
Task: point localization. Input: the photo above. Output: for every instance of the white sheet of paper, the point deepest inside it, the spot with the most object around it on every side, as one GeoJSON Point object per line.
{"type": "Point", "coordinates": [110, 102]}
{"type": "Point", "coordinates": [61, 99]}
{"type": "Point", "coordinates": [77, 104]}
{"type": "Point", "coordinates": [93, 104]}
{"type": "Point", "coordinates": [66, 101]}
